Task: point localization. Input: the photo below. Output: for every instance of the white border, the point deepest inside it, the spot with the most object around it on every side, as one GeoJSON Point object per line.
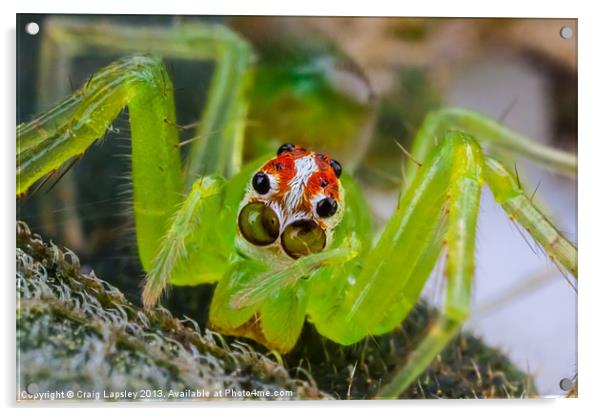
{"type": "Point", "coordinates": [590, 175]}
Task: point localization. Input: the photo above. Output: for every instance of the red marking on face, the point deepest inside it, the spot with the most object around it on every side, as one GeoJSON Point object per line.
{"type": "Point", "coordinates": [323, 179]}
{"type": "Point", "coordinates": [282, 168]}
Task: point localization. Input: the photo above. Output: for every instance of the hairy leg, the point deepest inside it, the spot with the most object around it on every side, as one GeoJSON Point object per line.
{"type": "Point", "coordinates": [142, 84]}
{"type": "Point", "coordinates": [463, 211]}
{"type": "Point", "coordinates": [178, 259]}
{"type": "Point", "coordinates": [67, 130]}
{"type": "Point", "coordinates": [377, 296]}
{"type": "Point", "coordinates": [217, 144]}
{"type": "Point", "coordinates": [464, 200]}
{"type": "Point", "coordinates": [487, 132]}
{"type": "Point", "coordinates": [520, 208]}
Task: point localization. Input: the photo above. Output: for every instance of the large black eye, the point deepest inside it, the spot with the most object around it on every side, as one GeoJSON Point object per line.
{"type": "Point", "coordinates": [326, 207]}
{"type": "Point", "coordinates": [285, 148]}
{"type": "Point", "coordinates": [258, 224]}
{"type": "Point", "coordinates": [261, 183]}
{"type": "Point", "coordinates": [336, 166]}
{"type": "Point", "coordinates": [303, 237]}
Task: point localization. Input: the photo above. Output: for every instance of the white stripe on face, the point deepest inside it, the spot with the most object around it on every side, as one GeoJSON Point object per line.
{"type": "Point", "coordinates": [304, 168]}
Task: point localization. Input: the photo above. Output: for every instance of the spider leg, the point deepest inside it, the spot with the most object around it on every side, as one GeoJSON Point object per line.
{"type": "Point", "coordinates": [189, 224]}
{"type": "Point", "coordinates": [464, 194]}
{"type": "Point", "coordinates": [487, 132]}
{"type": "Point", "coordinates": [68, 129]}
{"type": "Point", "coordinates": [142, 84]}
{"type": "Point", "coordinates": [520, 208]}
{"type": "Point", "coordinates": [221, 128]}
{"type": "Point", "coordinates": [373, 295]}
{"type": "Point", "coordinates": [464, 197]}
{"type": "Point", "coordinates": [217, 144]}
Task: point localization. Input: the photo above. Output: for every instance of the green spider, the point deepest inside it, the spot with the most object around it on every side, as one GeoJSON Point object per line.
{"type": "Point", "coordinates": [289, 237]}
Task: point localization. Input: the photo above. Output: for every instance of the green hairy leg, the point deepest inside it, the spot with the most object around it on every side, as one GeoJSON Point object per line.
{"type": "Point", "coordinates": [447, 186]}
{"type": "Point", "coordinates": [393, 272]}
{"type": "Point", "coordinates": [142, 84]}
{"type": "Point", "coordinates": [460, 259]}
{"type": "Point", "coordinates": [178, 246]}
{"type": "Point", "coordinates": [506, 189]}
{"type": "Point", "coordinates": [66, 131]}
{"type": "Point", "coordinates": [464, 200]}
{"type": "Point", "coordinates": [221, 127]}
{"type": "Point", "coordinates": [487, 132]}
{"type": "Point", "coordinates": [521, 209]}
{"type": "Point", "coordinates": [217, 144]}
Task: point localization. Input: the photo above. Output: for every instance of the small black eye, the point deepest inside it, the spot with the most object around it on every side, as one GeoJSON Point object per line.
{"type": "Point", "coordinates": [285, 148]}
{"type": "Point", "coordinates": [326, 207]}
{"type": "Point", "coordinates": [336, 166]}
{"type": "Point", "coordinates": [261, 183]}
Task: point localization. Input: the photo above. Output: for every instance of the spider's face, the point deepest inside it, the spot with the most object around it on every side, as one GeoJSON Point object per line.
{"type": "Point", "coordinates": [293, 203]}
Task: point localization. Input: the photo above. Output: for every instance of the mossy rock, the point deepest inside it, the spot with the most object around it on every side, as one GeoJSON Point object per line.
{"type": "Point", "coordinates": [76, 332]}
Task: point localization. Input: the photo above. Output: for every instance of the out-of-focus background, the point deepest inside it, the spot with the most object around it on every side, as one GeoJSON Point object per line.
{"type": "Point", "coordinates": [519, 71]}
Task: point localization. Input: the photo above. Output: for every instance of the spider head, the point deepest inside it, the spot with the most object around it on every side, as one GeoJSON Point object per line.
{"type": "Point", "coordinates": [292, 203]}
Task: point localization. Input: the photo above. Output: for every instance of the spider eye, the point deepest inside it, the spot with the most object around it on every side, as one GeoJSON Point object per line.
{"type": "Point", "coordinates": [336, 166]}
{"type": "Point", "coordinates": [285, 148]}
{"type": "Point", "coordinates": [303, 237]}
{"type": "Point", "coordinates": [261, 183]}
{"type": "Point", "coordinates": [258, 224]}
{"type": "Point", "coordinates": [326, 207]}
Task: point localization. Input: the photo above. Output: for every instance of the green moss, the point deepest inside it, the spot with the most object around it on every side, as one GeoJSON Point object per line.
{"type": "Point", "coordinates": [77, 332]}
